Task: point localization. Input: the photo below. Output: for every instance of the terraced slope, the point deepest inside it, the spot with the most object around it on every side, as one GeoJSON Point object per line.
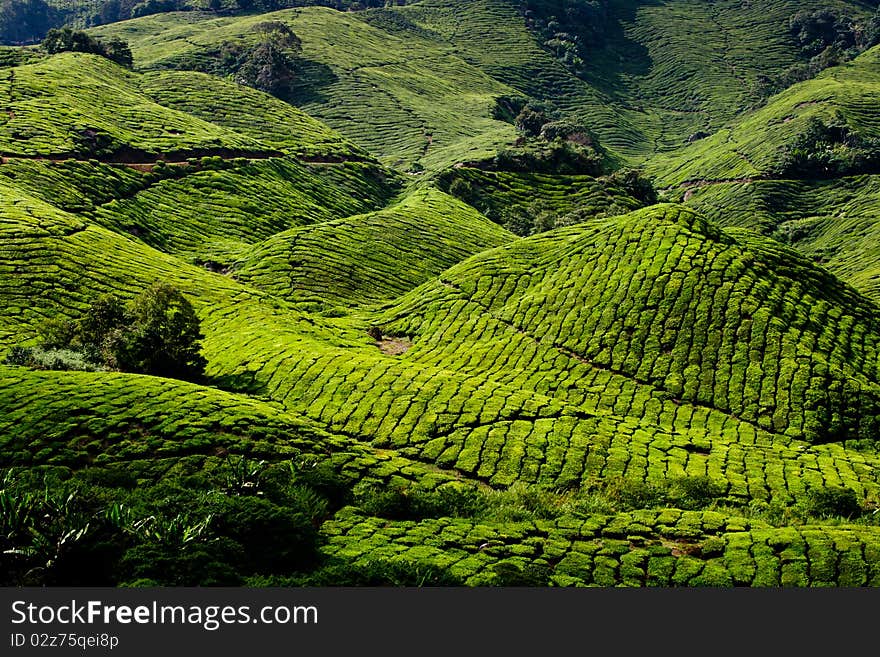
{"type": "Point", "coordinates": [502, 411]}
{"type": "Point", "coordinates": [662, 298]}
{"type": "Point", "coordinates": [101, 130]}
{"type": "Point", "coordinates": [832, 222]}
{"type": "Point", "coordinates": [730, 176]}
{"type": "Point", "coordinates": [428, 72]}
{"type": "Point", "coordinates": [167, 429]}
{"type": "Point", "coordinates": [677, 68]}
{"type": "Point", "coordinates": [497, 193]}
{"type": "Point", "coordinates": [642, 548]}
{"type": "Point", "coordinates": [230, 209]}
{"type": "Point", "coordinates": [97, 109]}
{"type": "Point", "coordinates": [656, 397]}
{"type": "Point", "coordinates": [264, 118]}
{"type": "Point", "coordinates": [373, 257]}
{"type": "Point", "coordinates": [407, 99]}
{"type": "Point", "coordinates": [747, 148]}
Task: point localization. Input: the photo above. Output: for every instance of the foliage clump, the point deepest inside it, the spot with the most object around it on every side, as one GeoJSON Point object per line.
{"type": "Point", "coordinates": [826, 37]}
{"type": "Point", "coordinates": [546, 145]}
{"type": "Point", "coordinates": [66, 39]}
{"type": "Point", "coordinates": [269, 66]}
{"type": "Point", "coordinates": [99, 527]}
{"type": "Point", "coordinates": [827, 150]}
{"type": "Point", "coordinates": [26, 21]}
{"type": "Point", "coordinates": [834, 501]}
{"type": "Point", "coordinates": [158, 333]}
{"type": "Point", "coordinates": [568, 28]}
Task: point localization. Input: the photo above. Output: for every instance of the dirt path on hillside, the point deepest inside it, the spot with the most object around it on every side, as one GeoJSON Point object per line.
{"type": "Point", "coordinates": [144, 161]}
{"type": "Point", "coordinates": [147, 163]}
{"type": "Point", "coordinates": [692, 185]}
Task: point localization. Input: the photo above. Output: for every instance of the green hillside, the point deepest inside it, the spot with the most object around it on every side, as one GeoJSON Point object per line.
{"type": "Point", "coordinates": [748, 148]}
{"type": "Point", "coordinates": [414, 99]}
{"type": "Point", "coordinates": [373, 257]}
{"type": "Point", "coordinates": [429, 71]}
{"type": "Point", "coordinates": [494, 293]}
{"type": "Point", "coordinates": [734, 176]}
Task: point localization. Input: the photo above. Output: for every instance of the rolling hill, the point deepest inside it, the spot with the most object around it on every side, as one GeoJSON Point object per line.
{"type": "Point", "coordinates": [404, 385]}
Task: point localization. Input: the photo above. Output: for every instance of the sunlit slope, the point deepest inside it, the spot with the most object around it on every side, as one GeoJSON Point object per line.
{"type": "Point", "coordinates": [663, 71]}
{"type": "Point", "coordinates": [498, 193]}
{"type": "Point", "coordinates": [405, 98]}
{"type": "Point", "coordinates": [229, 209]}
{"type": "Point", "coordinates": [416, 84]}
{"type": "Point", "coordinates": [663, 299]}
{"type": "Point", "coordinates": [748, 147]}
{"type": "Point", "coordinates": [76, 103]}
{"type": "Point", "coordinates": [835, 223]}
{"type": "Point", "coordinates": [665, 548]}
{"type": "Point", "coordinates": [54, 263]}
{"type": "Point", "coordinates": [260, 116]}
{"type": "Point", "coordinates": [680, 67]}
{"type": "Point", "coordinates": [372, 257]}
{"type": "Point", "coordinates": [163, 429]}
{"type": "Point", "coordinates": [493, 412]}
{"type": "Point", "coordinates": [247, 164]}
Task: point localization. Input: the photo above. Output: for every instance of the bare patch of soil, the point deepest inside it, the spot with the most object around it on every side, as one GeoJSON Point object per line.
{"type": "Point", "coordinates": [394, 346]}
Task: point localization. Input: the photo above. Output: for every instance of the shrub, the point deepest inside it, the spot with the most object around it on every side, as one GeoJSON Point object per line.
{"type": "Point", "coordinates": [448, 501]}
{"type": "Point", "coordinates": [530, 121]}
{"type": "Point", "coordinates": [635, 494]}
{"type": "Point", "coordinates": [159, 334]}
{"type": "Point", "coordinates": [634, 183]}
{"type": "Point", "coordinates": [326, 481]}
{"type": "Point", "coordinates": [694, 492]}
{"type": "Point", "coordinates": [509, 574]}
{"type": "Point", "coordinates": [63, 359]}
{"type": "Point", "coordinates": [834, 501]}
{"type": "Point", "coordinates": [66, 39]}
{"type": "Point", "coordinates": [93, 332]}
{"type": "Point", "coordinates": [391, 503]}
{"type": "Point", "coordinates": [162, 336]}
{"type": "Point", "coordinates": [20, 357]}
{"type": "Point", "coordinates": [274, 538]}
{"type": "Point", "coordinates": [827, 150]}
{"type": "Point", "coordinates": [57, 333]}
{"type": "Point", "coordinates": [203, 564]}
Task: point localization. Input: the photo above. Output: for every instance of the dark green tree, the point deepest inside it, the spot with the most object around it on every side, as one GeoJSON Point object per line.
{"type": "Point", "coordinates": [26, 21]}
{"type": "Point", "coordinates": [530, 121]}
{"type": "Point", "coordinates": [270, 66]}
{"type": "Point", "coordinates": [162, 336]}
{"type": "Point", "coordinates": [66, 39]}
{"type": "Point", "coordinates": [119, 51]}
{"type": "Point", "coordinates": [96, 329]}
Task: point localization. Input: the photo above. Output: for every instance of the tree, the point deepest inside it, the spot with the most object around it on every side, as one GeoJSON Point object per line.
{"type": "Point", "coordinates": [530, 122]}
{"type": "Point", "coordinates": [68, 40]}
{"type": "Point", "coordinates": [96, 328]}
{"type": "Point", "coordinates": [119, 51]}
{"type": "Point", "coordinates": [270, 66]}
{"type": "Point", "coordinates": [26, 21]}
{"type": "Point", "coordinates": [162, 336]}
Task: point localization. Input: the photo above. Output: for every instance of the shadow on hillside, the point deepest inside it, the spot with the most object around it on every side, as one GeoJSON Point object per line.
{"type": "Point", "coordinates": [242, 382]}
{"type": "Point", "coordinates": [620, 56]}
{"type": "Point", "coordinates": [312, 77]}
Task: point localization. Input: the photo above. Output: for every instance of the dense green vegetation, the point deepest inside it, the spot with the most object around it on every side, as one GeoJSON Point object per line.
{"type": "Point", "coordinates": [444, 292]}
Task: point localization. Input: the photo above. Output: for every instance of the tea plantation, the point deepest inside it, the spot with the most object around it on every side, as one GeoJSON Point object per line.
{"type": "Point", "coordinates": [485, 298]}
